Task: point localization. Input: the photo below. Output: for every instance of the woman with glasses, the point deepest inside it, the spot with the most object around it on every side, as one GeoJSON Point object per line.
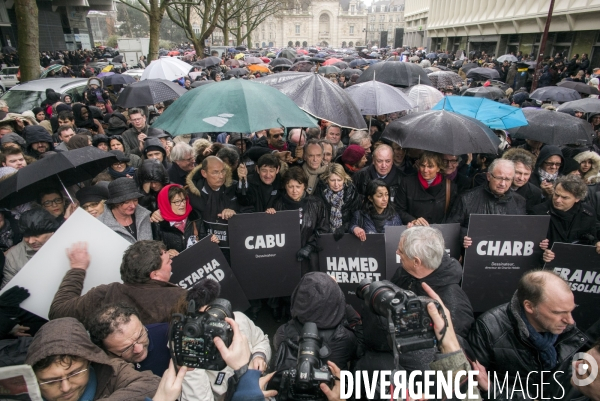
{"type": "Point", "coordinates": [181, 225]}
{"type": "Point", "coordinates": [450, 171]}
{"type": "Point", "coordinates": [53, 201]}
{"type": "Point", "coordinates": [426, 197]}
{"type": "Point", "coordinates": [92, 199]}
{"type": "Point", "coordinates": [120, 168]}
{"type": "Point", "coordinates": [548, 167]}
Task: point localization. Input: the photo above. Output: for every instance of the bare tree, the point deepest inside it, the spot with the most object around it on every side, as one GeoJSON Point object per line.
{"type": "Point", "coordinates": [29, 35]}
{"type": "Point", "coordinates": [182, 15]}
{"type": "Point", "coordinates": [254, 13]}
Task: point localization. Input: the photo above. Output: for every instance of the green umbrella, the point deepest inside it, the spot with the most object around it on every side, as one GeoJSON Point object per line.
{"type": "Point", "coordinates": [235, 105]}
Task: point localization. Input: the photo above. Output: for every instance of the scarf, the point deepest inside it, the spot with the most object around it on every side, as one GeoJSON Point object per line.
{"type": "Point", "coordinates": [453, 175]}
{"type": "Point", "coordinates": [290, 204]}
{"type": "Point", "coordinates": [350, 168]}
{"type": "Point", "coordinates": [425, 184]}
{"type": "Point", "coordinates": [545, 176]}
{"type": "Point", "coordinates": [90, 388]}
{"type": "Point", "coordinates": [336, 199]}
{"type": "Point", "coordinates": [283, 149]}
{"type": "Point", "coordinates": [214, 203]}
{"type": "Point", "coordinates": [379, 220]}
{"type": "Point", "coordinates": [565, 220]}
{"type": "Point", "coordinates": [115, 174]}
{"type": "Point", "coordinates": [313, 176]}
{"type": "Point", "coordinates": [166, 211]}
{"type": "Point", "coordinates": [543, 342]}
{"type": "Point", "coordinates": [6, 236]}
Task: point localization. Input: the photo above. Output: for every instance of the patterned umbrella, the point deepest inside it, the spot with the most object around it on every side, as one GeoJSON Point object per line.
{"type": "Point", "coordinates": [444, 79]}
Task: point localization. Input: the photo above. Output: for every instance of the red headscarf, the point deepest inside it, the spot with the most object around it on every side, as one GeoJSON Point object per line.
{"type": "Point", "coordinates": [164, 204]}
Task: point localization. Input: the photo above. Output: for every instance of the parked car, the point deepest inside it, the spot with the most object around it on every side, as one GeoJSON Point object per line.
{"type": "Point", "coordinates": [26, 96]}
{"type": "Point", "coordinates": [9, 76]}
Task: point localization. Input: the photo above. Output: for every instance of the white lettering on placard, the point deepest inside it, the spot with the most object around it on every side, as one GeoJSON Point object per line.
{"type": "Point", "coordinates": [265, 241]}
{"type": "Point", "coordinates": [211, 271]}
{"type": "Point", "coordinates": [580, 280]}
{"type": "Point", "coordinates": [352, 264]}
{"type": "Point", "coordinates": [505, 248]}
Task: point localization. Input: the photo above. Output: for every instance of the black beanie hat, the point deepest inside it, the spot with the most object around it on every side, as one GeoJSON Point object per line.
{"type": "Point", "coordinates": [37, 221]}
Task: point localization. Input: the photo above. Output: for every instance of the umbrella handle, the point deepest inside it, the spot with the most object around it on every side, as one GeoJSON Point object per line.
{"type": "Point", "coordinates": [65, 188]}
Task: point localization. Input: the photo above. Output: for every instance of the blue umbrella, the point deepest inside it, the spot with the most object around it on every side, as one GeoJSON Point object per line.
{"type": "Point", "coordinates": [357, 63]}
{"type": "Point", "coordinates": [493, 114]}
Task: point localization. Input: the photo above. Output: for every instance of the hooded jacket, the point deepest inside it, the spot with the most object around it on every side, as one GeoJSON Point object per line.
{"type": "Point", "coordinates": [546, 152]}
{"type": "Point", "coordinates": [152, 143]}
{"type": "Point", "coordinates": [593, 175]}
{"type": "Point", "coordinates": [150, 170]}
{"type": "Point", "coordinates": [500, 341]}
{"type": "Point", "coordinates": [116, 379]}
{"type": "Point", "coordinates": [34, 134]}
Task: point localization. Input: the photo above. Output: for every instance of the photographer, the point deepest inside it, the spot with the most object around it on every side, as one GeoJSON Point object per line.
{"type": "Point", "coordinates": [450, 358]}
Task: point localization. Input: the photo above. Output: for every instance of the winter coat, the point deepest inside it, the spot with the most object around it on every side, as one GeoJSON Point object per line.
{"type": "Point", "coordinates": [579, 229]}
{"type": "Point", "coordinates": [142, 224]}
{"type": "Point", "coordinates": [35, 134]}
{"type": "Point", "coordinates": [481, 200]}
{"type": "Point", "coordinates": [362, 177]}
{"type": "Point", "coordinates": [532, 195]}
{"type": "Point", "coordinates": [352, 201]}
{"type": "Point", "coordinates": [546, 152]}
{"type": "Point", "coordinates": [414, 201]}
{"type": "Point", "coordinates": [500, 341]}
{"type": "Point", "coordinates": [593, 175]}
{"type": "Point", "coordinates": [173, 238]}
{"type": "Point", "coordinates": [130, 137]}
{"type": "Point", "coordinates": [116, 379]}
{"type": "Point", "coordinates": [176, 174]}
{"type": "Point", "coordinates": [16, 258]}
{"type": "Point", "coordinates": [363, 220]}
{"type": "Point", "coordinates": [198, 196]}
{"type": "Point", "coordinates": [153, 299]}
{"type": "Point", "coordinates": [201, 384]}
{"type": "Point", "coordinates": [251, 198]}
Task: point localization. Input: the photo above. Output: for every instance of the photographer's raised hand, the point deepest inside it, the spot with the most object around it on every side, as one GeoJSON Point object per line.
{"type": "Point", "coordinates": [448, 341]}
{"type": "Point", "coordinates": [238, 354]}
{"type": "Point", "coordinates": [169, 388]}
{"type": "Point", "coordinates": [332, 394]}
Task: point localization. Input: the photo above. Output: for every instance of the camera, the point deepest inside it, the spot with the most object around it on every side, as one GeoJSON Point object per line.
{"type": "Point", "coordinates": [191, 336]}
{"type": "Point", "coordinates": [302, 382]}
{"type": "Point", "coordinates": [413, 328]}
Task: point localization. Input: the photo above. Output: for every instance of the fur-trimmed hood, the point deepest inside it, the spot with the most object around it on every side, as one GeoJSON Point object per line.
{"type": "Point", "coordinates": [195, 175]}
{"type": "Point", "coordinates": [593, 176]}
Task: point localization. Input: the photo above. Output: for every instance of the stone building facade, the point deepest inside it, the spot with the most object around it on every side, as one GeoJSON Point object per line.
{"type": "Point", "coordinates": [384, 18]}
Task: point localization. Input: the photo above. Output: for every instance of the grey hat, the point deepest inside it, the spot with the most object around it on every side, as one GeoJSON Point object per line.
{"type": "Point", "coordinates": [14, 138]}
{"type": "Point", "coordinates": [121, 190]}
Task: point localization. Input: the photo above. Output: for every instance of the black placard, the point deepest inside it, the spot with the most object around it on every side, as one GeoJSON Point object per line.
{"type": "Point", "coordinates": [205, 259]}
{"type": "Point", "coordinates": [351, 260]}
{"type": "Point", "coordinates": [450, 232]}
{"type": "Point", "coordinates": [504, 248]}
{"type": "Point", "coordinates": [580, 266]}
{"type": "Point", "coordinates": [221, 230]}
{"type": "Point", "coordinates": [263, 252]}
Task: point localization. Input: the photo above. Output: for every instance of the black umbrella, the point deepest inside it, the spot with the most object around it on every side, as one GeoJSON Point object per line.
{"type": "Point", "coordinates": [196, 84]}
{"type": "Point", "coordinates": [482, 74]}
{"type": "Point", "coordinates": [579, 87]}
{"type": "Point", "coordinates": [457, 63]}
{"type": "Point", "coordinates": [318, 96]}
{"type": "Point", "coordinates": [553, 128]}
{"type": "Point", "coordinates": [149, 91]}
{"type": "Point", "coordinates": [359, 62]}
{"type": "Point", "coordinates": [208, 62]}
{"type": "Point", "coordinates": [237, 72]}
{"type": "Point", "coordinates": [61, 169]}
{"type": "Point", "coordinates": [555, 94]}
{"type": "Point", "coordinates": [287, 53]}
{"type": "Point", "coordinates": [282, 61]}
{"type": "Point", "coordinates": [396, 73]}
{"type": "Point", "coordinates": [241, 48]}
{"type": "Point", "coordinates": [488, 92]}
{"type": "Point", "coordinates": [443, 132]}
{"type": "Point", "coordinates": [431, 56]}
{"type": "Point", "coordinates": [469, 66]}
{"type": "Point", "coordinates": [587, 105]}
{"type": "Point", "coordinates": [442, 56]}
{"type": "Point", "coordinates": [341, 65]}
{"type": "Point", "coordinates": [118, 59]}
{"type": "Point", "coordinates": [302, 66]}
{"type": "Point", "coordinates": [118, 79]}
{"type": "Point", "coordinates": [350, 71]}
{"type": "Point", "coordinates": [8, 49]}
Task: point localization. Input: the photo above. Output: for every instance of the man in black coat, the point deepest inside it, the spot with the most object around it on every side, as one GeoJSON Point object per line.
{"type": "Point", "coordinates": [524, 165]}
{"type": "Point", "coordinates": [38, 140]}
{"type": "Point", "coordinates": [258, 192]}
{"type": "Point", "coordinates": [532, 333]}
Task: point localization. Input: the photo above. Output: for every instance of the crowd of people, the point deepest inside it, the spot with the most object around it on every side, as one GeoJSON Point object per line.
{"type": "Point", "coordinates": [164, 193]}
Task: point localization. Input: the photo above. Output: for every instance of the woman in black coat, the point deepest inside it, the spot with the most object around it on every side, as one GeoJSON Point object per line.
{"type": "Point", "coordinates": [426, 197]}
{"type": "Point", "coordinates": [338, 193]}
{"type": "Point", "coordinates": [151, 177]}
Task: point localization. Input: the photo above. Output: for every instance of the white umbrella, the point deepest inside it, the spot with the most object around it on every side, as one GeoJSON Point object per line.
{"type": "Point", "coordinates": [508, 57]}
{"type": "Point", "coordinates": [424, 96]}
{"type": "Point", "coordinates": [376, 98]}
{"type": "Point", "coordinates": [169, 68]}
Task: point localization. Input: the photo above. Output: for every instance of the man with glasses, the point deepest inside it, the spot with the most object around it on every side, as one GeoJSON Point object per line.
{"type": "Point", "coordinates": [134, 137]}
{"type": "Point", "coordinates": [182, 156]}
{"type": "Point", "coordinates": [493, 197]}
{"type": "Point", "coordinates": [69, 367]}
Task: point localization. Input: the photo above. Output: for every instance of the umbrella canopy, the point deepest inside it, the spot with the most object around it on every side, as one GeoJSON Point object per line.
{"type": "Point", "coordinates": [443, 132]}
{"type": "Point", "coordinates": [508, 57]}
{"type": "Point", "coordinates": [443, 56]}
{"type": "Point", "coordinates": [488, 92]}
{"type": "Point", "coordinates": [69, 167]}
{"type": "Point", "coordinates": [469, 66]}
{"type": "Point", "coordinates": [254, 68]}
{"type": "Point", "coordinates": [150, 91]}
{"type": "Point", "coordinates": [196, 84]}
{"type": "Point", "coordinates": [587, 105]}
{"type": "Point", "coordinates": [332, 61]}
{"type": "Point", "coordinates": [287, 53]}
{"type": "Point", "coordinates": [302, 66]}
{"type": "Point", "coordinates": [444, 79]}
{"type": "Point", "coordinates": [108, 68]}
{"type": "Point", "coordinates": [237, 72]}
{"type": "Point", "coordinates": [118, 59]}
{"type": "Point", "coordinates": [49, 69]}
{"type": "Point", "coordinates": [396, 73]}
{"type": "Point", "coordinates": [424, 96]}
{"type": "Point", "coordinates": [482, 74]}
{"type": "Point", "coordinates": [342, 65]}
{"type": "Point", "coordinates": [233, 63]}
{"type": "Point", "coordinates": [208, 62]}
{"type": "Point", "coordinates": [265, 60]}
{"type": "Point", "coordinates": [350, 71]}
{"type": "Point", "coordinates": [414, 58]}
{"type": "Point", "coordinates": [166, 68]}
{"type": "Point", "coordinates": [318, 96]}
{"type": "Point", "coordinates": [359, 62]}
{"type": "Point", "coordinates": [432, 56]}
{"type": "Point", "coordinates": [281, 61]}
{"type": "Point", "coordinates": [553, 128]}
{"type": "Point", "coordinates": [555, 94]}
{"type": "Point", "coordinates": [430, 70]}
{"type": "Point", "coordinates": [493, 114]}
{"type": "Point", "coordinates": [579, 87]}
{"type": "Point", "coordinates": [236, 105]}
{"type": "Point", "coordinates": [118, 79]}
{"type": "Point", "coordinates": [329, 69]}
{"type": "Point", "coordinates": [105, 74]}
{"type": "Point", "coordinates": [253, 60]}
{"type": "Point", "coordinates": [376, 98]}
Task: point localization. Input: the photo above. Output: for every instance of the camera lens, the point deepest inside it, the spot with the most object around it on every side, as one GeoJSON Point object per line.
{"type": "Point", "coordinates": [193, 329]}
{"type": "Point", "coordinates": [220, 308]}
{"type": "Point", "coordinates": [363, 288]}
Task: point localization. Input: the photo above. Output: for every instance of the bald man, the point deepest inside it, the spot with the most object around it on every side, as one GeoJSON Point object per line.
{"type": "Point", "coordinates": [533, 333]}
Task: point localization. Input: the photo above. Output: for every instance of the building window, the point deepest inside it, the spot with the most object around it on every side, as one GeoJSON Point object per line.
{"type": "Point", "coordinates": [382, 18]}
{"type": "Point", "coordinates": [381, 27]}
{"type": "Point", "coordinates": [196, 28]}
{"type": "Point", "coordinates": [297, 29]}
{"type": "Point", "coordinates": [372, 27]}
{"type": "Point", "coordinates": [352, 9]}
{"type": "Point", "coordinates": [351, 30]}
{"type": "Point", "coordinates": [372, 18]}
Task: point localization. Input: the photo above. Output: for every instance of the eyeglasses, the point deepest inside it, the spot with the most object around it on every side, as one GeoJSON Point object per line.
{"type": "Point", "coordinates": [90, 205]}
{"type": "Point", "coordinates": [501, 178]}
{"type": "Point", "coordinates": [179, 202]}
{"type": "Point", "coordinates": [455, 161]}
{"type": "Point", "coordinates": [127, 202]}
{"type": "Point", "coordinates": [142, 337]}
{"type": "Point", "coordinates": [56, 382]}
{"type": "Point", "coordinates": [549, 164]}
{"type": "Point", "coordinates": [276, 136]}
{"type": "Point", "coordinates": [216, 173]}
{"type": "Point", "coordinates": [56, 201]}
{"type": "Point", "coordinates": [135, 120]}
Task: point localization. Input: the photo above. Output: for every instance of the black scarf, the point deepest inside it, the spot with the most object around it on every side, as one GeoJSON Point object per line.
{"type": "Point", "coordinates": [380, 219]}
{"type": "Point", "coordinates": [565, 220]}
{"type": "Point", "coordinates": [116, 174]}
{"type": "Point", "coordinates": [290, 204]}
{"type": "Point", "coordinates": [214, 203]}
{"type": "Point", "coordinates": [543, 342]}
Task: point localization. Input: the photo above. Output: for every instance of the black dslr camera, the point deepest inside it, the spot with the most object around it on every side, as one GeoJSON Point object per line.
{"type": "Point", "coordinates": [191, 336]}
{"type": "Point", "coordinates": [407, 312]}
{"type": "Point", "coordinates": [302, 383]}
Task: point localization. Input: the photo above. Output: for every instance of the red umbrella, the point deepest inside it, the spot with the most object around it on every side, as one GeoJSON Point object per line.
{"type": "Point", "coordinates": [266, 59]}
{"type": "Point", "coordinates": [301, 51]}
{"type": "Point", "coordinates": [331, 61]}
{"type": "Point", "coordinates": [173, 53]}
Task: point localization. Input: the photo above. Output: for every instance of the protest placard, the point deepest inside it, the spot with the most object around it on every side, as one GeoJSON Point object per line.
{"type": "Point", "coordinates": [19, 383]}
{"type": "Point", "coordinates": [504, 247]}
{"type": "Point", "coordinates": [580, 266]}
{"type": "Point", "coordinates": [205, 260]}
{"type": "Point", "coordinates": [263, 252]}
{"type": "Point", "coordinates": [43, 274]}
